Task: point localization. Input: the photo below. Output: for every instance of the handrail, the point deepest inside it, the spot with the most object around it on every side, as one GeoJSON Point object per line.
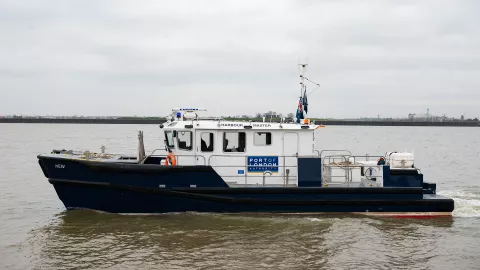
{"type": "Point", "coordinates": [197, 156]}
{"type": "Point", "coordinates": [346, 158]}
{"type": "Point", "coordinates": [329, 150]}
{"type": "Point", "coordinates": [154, 150]}
{"type": "Point", "coordinates": [366, 156]}
{"type": "Point", "coordinates": [238, 156]}
{"type": "Point", "coordinates": [192, 156]}
{"type": "Point", "coordinates": [151, 154]}
{"type": "Point", "coordinates": [241, 165]}
{"type": "Point", "coordinates": [263, 174]}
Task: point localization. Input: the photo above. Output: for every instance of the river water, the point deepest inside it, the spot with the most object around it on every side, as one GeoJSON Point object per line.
{"type": "Point", "coordinates": [37, 233]}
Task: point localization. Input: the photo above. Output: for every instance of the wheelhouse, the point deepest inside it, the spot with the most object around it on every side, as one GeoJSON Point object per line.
{"type": "Point", "coordinates": [242, 153]}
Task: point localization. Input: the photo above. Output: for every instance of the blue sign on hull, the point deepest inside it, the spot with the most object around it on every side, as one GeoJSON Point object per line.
{"type": "Point", "coordinates": [261, 164]}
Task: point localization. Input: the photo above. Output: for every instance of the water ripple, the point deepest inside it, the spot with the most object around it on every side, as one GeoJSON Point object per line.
{"type": "Point", "coordinates": [36, 232]}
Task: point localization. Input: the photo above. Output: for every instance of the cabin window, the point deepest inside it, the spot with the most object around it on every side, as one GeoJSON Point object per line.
{"type": "Point", "coordinates": [169, 139]}
{"type": "Point", "coordinates": [184, 139]}
{"type": "Point", "coordinates": [262, 138]}
{"type": "Point", "coordinates": [234, 142]}
{"type": "Point", "coordinates": [206, 142]}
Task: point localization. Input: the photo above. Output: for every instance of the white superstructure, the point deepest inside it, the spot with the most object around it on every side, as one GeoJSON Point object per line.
{"type": "Point", "coordinates": [243, 153]}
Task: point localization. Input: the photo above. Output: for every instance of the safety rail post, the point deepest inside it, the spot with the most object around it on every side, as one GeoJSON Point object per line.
{"type": "Point", "coordinates": [264, 174]}
{"type": "Point", "coordinates": [347, 174]}
{"type": "Point", "coordinates": [287, 174]}
{"type": "Point", "coordinates": [246, 170]}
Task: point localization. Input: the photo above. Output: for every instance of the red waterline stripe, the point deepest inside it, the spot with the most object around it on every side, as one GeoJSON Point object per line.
{"type": "Point", "coordinates": [410, 214]}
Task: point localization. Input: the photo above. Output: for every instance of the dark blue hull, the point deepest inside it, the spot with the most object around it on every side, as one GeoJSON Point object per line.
{"type": "Point", "coordinates": [133, 188]}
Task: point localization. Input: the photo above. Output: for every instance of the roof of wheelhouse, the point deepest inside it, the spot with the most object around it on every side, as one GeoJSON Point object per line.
{"type": "Point", "coordinates": [188, 118]}
{"type": "Point", "coordinates": [234, 125]}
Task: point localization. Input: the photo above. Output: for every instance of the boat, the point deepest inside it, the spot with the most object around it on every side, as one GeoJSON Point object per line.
{"type": "Point", "coordinates": [221, 166]}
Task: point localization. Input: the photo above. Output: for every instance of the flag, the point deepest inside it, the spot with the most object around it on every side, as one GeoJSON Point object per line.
{"type": "Point", "coordinates": [299, 113]}
{"type": "Point", "coordinates": [305, 100]}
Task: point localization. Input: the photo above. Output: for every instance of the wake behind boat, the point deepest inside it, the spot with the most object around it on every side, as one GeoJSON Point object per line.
{"type": "Point", "coordinates": [238, 167]}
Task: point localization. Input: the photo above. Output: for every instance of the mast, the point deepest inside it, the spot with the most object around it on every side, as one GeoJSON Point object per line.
{"type": "Point", "coordinates": [301, 109]}
{"type": "Point", "coordinates": [302, 83]}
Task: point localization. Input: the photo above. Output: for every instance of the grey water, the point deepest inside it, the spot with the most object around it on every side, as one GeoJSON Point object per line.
{"type": "Point", "coordinates": [36, 232]}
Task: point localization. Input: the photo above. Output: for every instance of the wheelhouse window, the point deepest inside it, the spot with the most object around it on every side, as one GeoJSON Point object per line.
{"type": "Point", "coordinates": [262, 138]}
{"type": "Point", "coordinates": [184, 140]}
{"type": "Point", "coordinates": [234, 142]}
{"type": "Point", "coordinates": [206, 142]}
{"type": "Point", "coordinates": [169, 139]}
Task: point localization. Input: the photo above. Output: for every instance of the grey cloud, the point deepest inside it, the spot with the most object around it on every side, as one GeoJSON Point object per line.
{"type": "Point", "coordinates": [141, 58]}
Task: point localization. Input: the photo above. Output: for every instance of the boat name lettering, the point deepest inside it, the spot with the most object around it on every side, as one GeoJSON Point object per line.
{"type": "Point", "coordinates": [59, 166]}
{"type": "Point", "coordinates": [231, 125]}
{"type": "Point", "coordinates": [242, 125]}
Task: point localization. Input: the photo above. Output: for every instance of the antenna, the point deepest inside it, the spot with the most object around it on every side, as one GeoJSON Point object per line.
{"type": "Point", "coordinates": [218, 107]}
{"type": "Point", "coordinates": [302, 76]}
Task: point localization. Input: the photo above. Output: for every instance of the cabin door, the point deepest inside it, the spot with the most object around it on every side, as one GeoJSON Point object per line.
{"type": "Point", "coordinates": [204, 146]}
{"type": "Point", "coordinates": [290, 153]}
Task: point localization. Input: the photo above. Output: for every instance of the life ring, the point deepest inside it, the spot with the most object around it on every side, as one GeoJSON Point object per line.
{"type": "Point", "coordinates": [171, 160]}
{"type": "Point", "coordinates": [371, 170]}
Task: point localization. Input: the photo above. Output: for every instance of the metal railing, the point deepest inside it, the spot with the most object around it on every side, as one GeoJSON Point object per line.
{"type": "Point", "coordinates": [158, 149]}
{"type": "Point", "coordinates": [346, 160]}
{"type": "Point", "coordinates": [261, 174]}
{"type": "Point", "coordinates": [347, 163]}
{"type": "Point", "coordinates": [245, 166]}
{"type": "Point", "coordinates": [195, 157]}
{"type": "Point", "coordinates": [246, 157]}
{"type": "Point", "coordinates": [331, 150]}
{"type": "Point", "coordinates": [284, 171]}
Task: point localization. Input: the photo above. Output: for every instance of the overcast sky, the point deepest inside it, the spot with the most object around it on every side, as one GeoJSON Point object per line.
{"type": "Point", "coordinates": [239, 57]}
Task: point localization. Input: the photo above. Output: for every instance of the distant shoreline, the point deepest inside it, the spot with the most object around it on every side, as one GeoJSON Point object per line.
{"type": "Point", "coordinates": [394, 123]}
{"type": "Point", "coordinates": [80, 121]}
{"type": "Point", "coordinates": [318, 122]}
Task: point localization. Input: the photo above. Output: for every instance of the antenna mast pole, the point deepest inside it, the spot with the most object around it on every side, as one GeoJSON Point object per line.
{"type": "Point", "coordinates": [302, 83]}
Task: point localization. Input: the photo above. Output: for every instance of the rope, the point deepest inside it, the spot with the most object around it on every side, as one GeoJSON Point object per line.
{"type": "Point", "coordinates": [311, 81]}
{"type": "Point", "coordinates": [317, 84]}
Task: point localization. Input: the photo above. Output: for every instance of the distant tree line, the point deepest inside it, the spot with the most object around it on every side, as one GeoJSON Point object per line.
{"type": "Point", "coordinates": [269, 116]}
